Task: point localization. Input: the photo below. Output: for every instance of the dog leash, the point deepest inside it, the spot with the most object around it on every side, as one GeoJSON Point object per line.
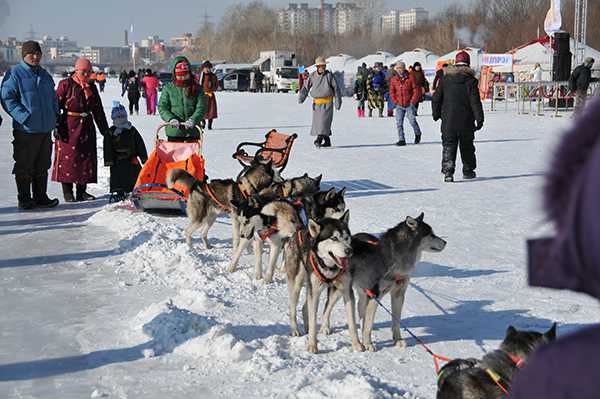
{"type": "Point", "coordinates": [436, 358]}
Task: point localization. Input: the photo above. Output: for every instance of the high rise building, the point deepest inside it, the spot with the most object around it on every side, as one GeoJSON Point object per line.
{"type": "Point", "coordinates": [299, 18]}
{"type": "Point", "coordinates": [400, 21]}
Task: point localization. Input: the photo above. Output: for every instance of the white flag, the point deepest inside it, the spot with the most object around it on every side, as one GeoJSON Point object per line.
{"type": "Point", "coordinates": [553, 20]}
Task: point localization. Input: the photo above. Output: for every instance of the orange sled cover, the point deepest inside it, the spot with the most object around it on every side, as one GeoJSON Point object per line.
{"type": "Point", "coordinates": [151, 191]}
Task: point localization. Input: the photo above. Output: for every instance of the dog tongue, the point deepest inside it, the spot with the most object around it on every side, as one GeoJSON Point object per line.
{"type": "Point", "coordinates": [342, 262]}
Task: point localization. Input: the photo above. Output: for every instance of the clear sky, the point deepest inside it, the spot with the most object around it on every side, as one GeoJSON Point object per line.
{"type": "Point", "coordinates": [102, 22]}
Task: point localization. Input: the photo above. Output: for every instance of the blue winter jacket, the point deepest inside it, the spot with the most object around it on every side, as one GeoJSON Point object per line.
{"type": "Point", "coordinates": [28, 96]}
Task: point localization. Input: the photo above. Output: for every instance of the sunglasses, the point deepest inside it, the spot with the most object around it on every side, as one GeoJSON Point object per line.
{"type": "Point", "coordinates": [84, 72]}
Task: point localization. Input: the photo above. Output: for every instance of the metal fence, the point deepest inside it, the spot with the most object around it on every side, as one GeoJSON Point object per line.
{"type": "Point", "coordinates": [533, 98]}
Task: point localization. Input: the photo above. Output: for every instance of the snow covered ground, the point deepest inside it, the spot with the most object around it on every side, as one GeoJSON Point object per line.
{"type": "Point", "coordinates": [99, 301]}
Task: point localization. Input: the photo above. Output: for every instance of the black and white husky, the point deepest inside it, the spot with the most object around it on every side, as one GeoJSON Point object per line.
{"type": "Point", "coordinates": [207, 201]}
{"type": "Point", "coordinates": [274, 222]}
{"type": "Point", "coordinates": [490, 376]}
{"type": "Point", "coordinates": [318, 258]}
{"type": "Point", "coordinates": [383, 265]}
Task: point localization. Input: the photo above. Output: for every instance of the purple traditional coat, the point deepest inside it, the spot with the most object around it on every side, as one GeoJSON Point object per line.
{"type": "Point", "coordinates": [75, 157]}
{"type": "Point", "coordinates": [570, 260]}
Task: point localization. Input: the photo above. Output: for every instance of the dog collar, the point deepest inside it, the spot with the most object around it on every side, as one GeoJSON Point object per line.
{"type": "Point", "coordinates": [317, 271]}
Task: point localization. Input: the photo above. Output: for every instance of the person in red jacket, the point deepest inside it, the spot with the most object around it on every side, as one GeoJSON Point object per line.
{"type": "Point", "coordinates": [405, 94]}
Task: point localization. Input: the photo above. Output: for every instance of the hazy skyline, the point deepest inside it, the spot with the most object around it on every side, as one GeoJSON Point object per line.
{"type": "Point", "coordinates": [102, 23]}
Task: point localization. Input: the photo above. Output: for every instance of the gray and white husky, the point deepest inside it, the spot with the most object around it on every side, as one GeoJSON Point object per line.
{"type": "Point", "coordinates": [383, 265]}
{"type": "Point", "coordinates": [278, 218]}
{"type": "Point", "coordinates": [318, 258]}
{"type": "Point", "coordinates": [202, 209]}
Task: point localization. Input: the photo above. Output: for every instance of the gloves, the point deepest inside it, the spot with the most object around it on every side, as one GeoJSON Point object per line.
{"type": "Point", "coordinates": [174, 123]}
{"type": "Point", "coordinates": [478, 125]}
{"type": "Point", "coordinates": [189, 124]}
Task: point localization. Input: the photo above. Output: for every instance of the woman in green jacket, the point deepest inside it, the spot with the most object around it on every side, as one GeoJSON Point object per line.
{"type": "Point", "coordinates": [182, 103]}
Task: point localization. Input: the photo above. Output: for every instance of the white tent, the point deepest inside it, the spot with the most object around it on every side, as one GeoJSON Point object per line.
{"type": "Point", "coordinates": [475, 54]}
{"type": "Point", "coordinates": [425, 57]}
{"type": "Point", "coordinates": [539, 51]}
{"type": "Point", "coordinates": [336, 63]}
{"type": "Point", "coordinates": [380, 56]}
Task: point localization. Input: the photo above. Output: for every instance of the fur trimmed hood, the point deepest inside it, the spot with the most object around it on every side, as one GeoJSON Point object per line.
{"type": "Point", "coordinates": [459, 70]}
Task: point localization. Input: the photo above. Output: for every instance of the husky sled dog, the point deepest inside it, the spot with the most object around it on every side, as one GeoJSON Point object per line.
{"type": "Point", "coordinates": [383, 265]}
{"type": "Point", "coordinates": [208, 200]}
{"type": "Point", "coordinates": [489, 377]}
{"type": "Point", "coordinates": [318, 258]}
{"type": "Point", "coordinates": [254, 219]}
{"type": "Point", "coordinates": [329, 204]}
{"type": "Point", "coordinates": [292, 188]}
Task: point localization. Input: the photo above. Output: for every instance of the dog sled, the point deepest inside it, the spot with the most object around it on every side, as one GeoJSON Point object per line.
{"type": "Point", "coordinates": [276, 147]}
{"type": "Point", "coordinates": [151, 191]}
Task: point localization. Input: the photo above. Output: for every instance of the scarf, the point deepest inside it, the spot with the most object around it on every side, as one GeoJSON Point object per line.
{"type": "Point", "coordinates": [83, 82]}
{"type": "Point", "coordinates": [120, 127]}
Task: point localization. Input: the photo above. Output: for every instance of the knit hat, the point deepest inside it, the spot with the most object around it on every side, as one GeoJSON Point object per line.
{"type": "Point", "coordinates": [83, 64]}
{"type": "Point", "coordinates": [118, 113]}
{"type": "Point", "coordinates": [462, 57]}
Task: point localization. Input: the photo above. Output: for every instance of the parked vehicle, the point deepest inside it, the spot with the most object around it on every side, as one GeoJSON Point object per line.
{"type": "Point", "coordinates": [279, 68]}
{"type": "Point", "coordinates": [223, 69]}
{"type": "Point", "coordinates": [238, 80]}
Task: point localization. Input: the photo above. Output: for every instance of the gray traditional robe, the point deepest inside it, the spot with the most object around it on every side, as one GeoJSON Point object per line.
{"type": "Point", "coordinates": [321, 86]}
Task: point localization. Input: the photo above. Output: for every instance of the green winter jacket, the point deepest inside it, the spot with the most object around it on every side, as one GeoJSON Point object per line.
{"type": "Point", "coordinates": [174, 104]}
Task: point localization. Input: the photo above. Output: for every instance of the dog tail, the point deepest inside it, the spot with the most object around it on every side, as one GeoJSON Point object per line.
{"type": "Point", "coordinates": [286, 216]}
{"type": "Point", "coordinates": [180, 176]}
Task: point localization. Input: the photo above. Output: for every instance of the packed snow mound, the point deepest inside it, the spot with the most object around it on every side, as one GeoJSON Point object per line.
{"type": "Point", "coordinates": [174, 329]}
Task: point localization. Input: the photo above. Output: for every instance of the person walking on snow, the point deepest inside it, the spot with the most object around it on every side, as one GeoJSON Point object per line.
{"type": "Point", "coordinates": [182, 103]}
{"type": "Point", "coordinates": [133, 89]}
{"type": "Point", "coordinates": [76, 159]}
{"type": "Point", "coordinates": [101, 79]}
{"type": "Point", "coordinates": [422, 82]}
{"type": "Point", "coordinates": [151, 84]}
{"type": "Point", "coordinates": [457, 103]}
{"type": "Point", "coordinates": [123, 80]}
{"type": "Point", "coordinates": [28, 96]}
{"type": "Point", "coordinates": [579, 82]}
{"type": "Point", "coordinates": [210, 84]}
{"type": "Point", "coordinates": [376, 86]}
{"type": "Point", "coordinates": [405, 93]}
{"type": "Point", "coordinates": [322, 87]}
{"type": "Point", "coordinates": [360, 91]}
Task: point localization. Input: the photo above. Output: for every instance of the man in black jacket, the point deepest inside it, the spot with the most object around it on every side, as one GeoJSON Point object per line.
{"type": "Point", "coordinates": [456, 101]}
{"type": "Point", "coordinates": [580, 82]}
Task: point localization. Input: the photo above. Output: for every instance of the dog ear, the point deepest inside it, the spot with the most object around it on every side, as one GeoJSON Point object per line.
{"type": "Point", "coordinates": [318, 179]}
{"type": "Point", "coordinates": [346, 217]}
{"type": "Point", "coordinates": [411, 223]}
{"type": "Point", "coordinates": [305, 175]}
{"type": "Point", "coordinates": [421, 217]}
{"type": "Point", "coordinates": [235, 205]}
{"type": "Point", "coordinates": [314, 228]}
{"type": "Point", "coordinates": [342, 191]}
{"type": "Point", "coordinates": [510, 331]}
{"type": "Point", "coordinates": [330, 194]}
{"type": "Point", "coordinates": [550, 335]}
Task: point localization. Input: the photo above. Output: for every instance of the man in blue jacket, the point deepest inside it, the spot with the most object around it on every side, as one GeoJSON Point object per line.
{"type": "Point", "coordinates": [27, 95]}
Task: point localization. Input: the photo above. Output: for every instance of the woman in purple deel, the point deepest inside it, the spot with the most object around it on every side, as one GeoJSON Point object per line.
{"type": "Point", "coordinates": [568, 367]}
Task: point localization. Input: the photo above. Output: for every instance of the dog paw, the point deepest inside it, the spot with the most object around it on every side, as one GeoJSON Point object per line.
{"type": "Point", "coordinates": [312, 348]}
{"type": "Point", "coordinates": [325, 330]}
{"type": "Point", "coordinates": [231, 268]}
{"type": "Point", "coordinates": [258, 277]}
{"type": "Point", "coordinates": [267, 280]}
{"type": "Point", "coordinates": [400, 343]}
{"type": "Point", "coordinates": [358, 347]}
{"type": "Point", "coordinates": [295, 333]}
{"type": "Point", "coordinates": [370, 347]}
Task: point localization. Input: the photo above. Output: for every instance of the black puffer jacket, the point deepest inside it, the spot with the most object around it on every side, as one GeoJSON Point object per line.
{"type": "Point", "coordinates": [456, 100]}
{"type": "Point", "coordinates": [581, 78]}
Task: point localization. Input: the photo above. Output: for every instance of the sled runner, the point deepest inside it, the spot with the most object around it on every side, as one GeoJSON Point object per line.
{"type": "Point", "coordinates": [151, 191]}
{"type": "Point", "coordinates": [276, 147]}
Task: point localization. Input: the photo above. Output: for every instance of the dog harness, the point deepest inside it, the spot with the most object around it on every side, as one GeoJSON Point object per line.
{"type": "Point", "coordinates": [210, 192]}
{"type": "Point", "coordinates": [315, 267]}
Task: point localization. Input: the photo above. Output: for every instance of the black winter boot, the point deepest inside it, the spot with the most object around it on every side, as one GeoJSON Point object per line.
{"type": "Point", "coordinates": [448, 159]}
{"type": "Point", "coordinates": [40, 186]}
{"type": "Point", "coordinates": [417, 138]}
{"type": "Point", "coordinates": [67, 189]}
{"type": "Point", "coordinates": [24, 192]}
{"type": "Point", "coordinates": [469, 174]}
{"type": "Point", "coordinates": [319, 141]}
{"type": "Point", "coordinates": [210, 124]}
{"type": "Point", "coordinates": [326, 141]}
{"type": "Point", "coordinates": [370, 112]}
{"type": "Point", "coordinates": [82, 195]}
